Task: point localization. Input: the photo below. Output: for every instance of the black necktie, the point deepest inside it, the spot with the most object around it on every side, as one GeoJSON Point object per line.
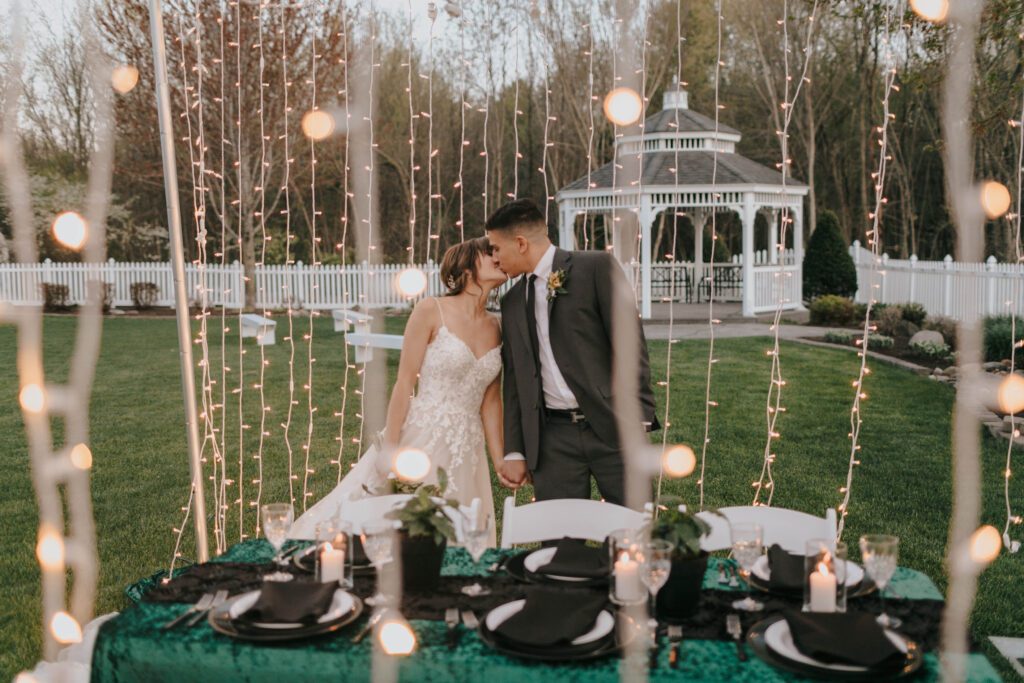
{"type": "Point", "coordinates": [531, 318]}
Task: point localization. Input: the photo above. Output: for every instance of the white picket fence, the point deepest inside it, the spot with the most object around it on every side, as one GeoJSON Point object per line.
{"type": "Point", "coordinates": [965, 291]}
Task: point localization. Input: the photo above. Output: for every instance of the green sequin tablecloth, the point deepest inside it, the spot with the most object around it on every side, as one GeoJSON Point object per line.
{"type": "Point", "coordinates": [131, 647]}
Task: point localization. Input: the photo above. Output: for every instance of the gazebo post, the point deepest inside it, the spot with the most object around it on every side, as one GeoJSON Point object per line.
{"type": "Point", "coordinates": [773, 236]}
{"type": "Point", "coordinates": [798, 255]}
{"type": "Point", "coordinates": [646, 217]}
{"type": "Point", "coordinates": [699, 217]}
{"type": "Point", "coordinates": [565, 225]}
{"type": "Point", "coordinates": [747, 215]}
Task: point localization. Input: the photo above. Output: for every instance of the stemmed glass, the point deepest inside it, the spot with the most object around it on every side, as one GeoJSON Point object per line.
{"type": "Point", "coordinates": [476, 535]}
{"type": "Point", "coordinates": [879, 554]}
{"type": "Point", "coordinates": [378, 542]}
{"type": "Point", "coordinates": [654, 571]}
{"type": "Point", "coordinates": [277, 522]}
{"type": "Point", "coordinates": [747, 546]}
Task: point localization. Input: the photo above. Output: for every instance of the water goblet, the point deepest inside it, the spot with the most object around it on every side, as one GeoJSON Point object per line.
{"type": "Point", "coordinates": [880, 554]}
{"type": "Point", "coordinates": [747, 546]}
{"type": "Point", "coordinates": [654, 571]}
{"type": "Point", "coordinates": [378, 542]}
{"type": "Point", "coordinates": [277, 522]}
{"type": "Point", "coordinates": [476, 536]}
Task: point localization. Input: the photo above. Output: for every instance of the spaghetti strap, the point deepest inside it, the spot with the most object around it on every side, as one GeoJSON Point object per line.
{"type": "Point", "coordinates": [440, 311]}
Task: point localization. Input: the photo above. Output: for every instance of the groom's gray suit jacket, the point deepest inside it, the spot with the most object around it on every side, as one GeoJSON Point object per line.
{"type": "Point", "coordinates": [580, 329]}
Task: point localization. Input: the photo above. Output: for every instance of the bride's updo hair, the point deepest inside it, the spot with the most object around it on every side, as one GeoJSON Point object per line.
{"type": "Point", "coordinates": [459, 265]}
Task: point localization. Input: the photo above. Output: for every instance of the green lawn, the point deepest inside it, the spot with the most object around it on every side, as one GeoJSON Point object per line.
{"type": "Point", "coordinates": [140, 476]}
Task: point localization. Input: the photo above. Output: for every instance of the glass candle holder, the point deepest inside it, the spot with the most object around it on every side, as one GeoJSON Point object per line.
{"type": "Point", "coordinates": [334, 554]}
{"type": "Point", "coordinates": [626, 550]}
{"type": "Point", "coordinates": [825, 576]}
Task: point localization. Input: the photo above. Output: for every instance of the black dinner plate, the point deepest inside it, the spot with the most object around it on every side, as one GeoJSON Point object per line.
{"type": "Point", "coordinates": [755, 638]}
{"type": "Point", "coordinates": [241, 630]}
{"type": "Point", "coordinates": [865, 587]}
{"type": "Point", "coordinates": [517, 570]}
{"type": "Point", "coordinates": [307, 563]}
{"type": "Point", "coordinates": [609, 645]}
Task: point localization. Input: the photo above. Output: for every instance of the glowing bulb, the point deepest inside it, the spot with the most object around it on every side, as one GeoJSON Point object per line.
{"type": "Point", "coordinates": [396, 637]}
{"type": "Point", "coordinates": [65, 629]}
{"type": "Point", "coordinates": [81, 457]}
{"type": "Point", "coordinates": [317, 125]}
{"type": "Point", "coordinates": [411, 464]}
{"type": "Point", "coordinates": [678, 461]}
{"type": "Point", "coordinates": [25, 677]}
{"type": "Point", "coordinates": [622, 106]}
{"type": "Point", "coordinates": [995, 199]}
{"type": "Point", "coordinates": [1011, 394]}
{"type": "Point", "coordinates": [985, 544]}
{"type": "Point", "coordinates": [50, 549]}
{"type": "Point", "coordinates": [124, 78]}
{"type": "Point", "coordinates": [930, 10]}
{"type": "Point", "coordinates": [69, 230]}
{"type": "Point", "coordinates": [411, 282]}
{"type": "Point", "coordinates": [32, 398]}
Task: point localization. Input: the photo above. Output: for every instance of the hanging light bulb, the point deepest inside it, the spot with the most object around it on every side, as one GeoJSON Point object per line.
{"type": "Point", "coordinates": [1011, 394]}
{"type": "Point", "coordinates": [25, 677]}
{"type": "Point", "coordinates": [411, 282]}
{"type": "Point", "coordinates": [678, 461]}
{"type": "Point", "coordinates": [453, 10]}
{"type": "Point", "coordinates": [124, 78]}
{"type": "Point", "coordinates": [317, 124]}
{"type": "Point", "coordinates": [50, 549]}
{"type": "Point", "coordinates": [69, 229]}
{"type": "Point", "coordinates": [396, 636]}
{"type": "Point", "coordinates": [622, 106]}
{"type": "Point", "coordinates": [985, 544]}
{"type": "Point", "coordinates": [81, 457]}
{"type": "Point", "coordinates": [995, 199]}
{"type": "Point", "coordinates": [411, 464]}
{"type": "Point", "coordinates": [930, 10]}
{"type": "Point", "coordinates": [32, 398]}
{"type": "Point", "coordinates": [65, 629]}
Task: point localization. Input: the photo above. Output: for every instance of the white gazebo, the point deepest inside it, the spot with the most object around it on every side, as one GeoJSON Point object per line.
{"type": "Point", "coordinates": [686, 165]}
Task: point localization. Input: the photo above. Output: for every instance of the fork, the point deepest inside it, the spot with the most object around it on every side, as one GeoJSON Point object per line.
{"type": "Point", "coordinates": [451, 618]}
{"type": "Point", "coordinates": [735, 629]}
{"type": "Point", "coordinates": [470, 620]}
{"type": "Point", "coordinates": [675, 636]}
{"type": "Point", "coordinates": [202, 604]}
{"type": "Point", "coordinates": [218, 600]}
{"type": "Point", "coordinates": [369, 627]}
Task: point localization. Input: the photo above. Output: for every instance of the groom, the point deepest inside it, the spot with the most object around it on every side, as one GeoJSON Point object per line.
{"type": "Point", "coordinates": [557, 353]}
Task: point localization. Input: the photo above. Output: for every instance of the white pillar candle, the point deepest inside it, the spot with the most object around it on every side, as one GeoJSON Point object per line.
{"type": "Point", "coordinates": [332, 564]}
{"type": "Point", "coordinates": [628, 586]}
{"type": "Point", "coordinates": [823, 590]}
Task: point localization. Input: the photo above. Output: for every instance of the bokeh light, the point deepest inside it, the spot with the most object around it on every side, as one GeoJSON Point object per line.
{"type": "Point", "coordinates": [985, 544]}
{"type": "Point", "coordinates": [81, 457]}
{"type": "Point", "coordinates": [65, 629]}
{"type": "Point", "coordinates": [930, 10]}
{"type": "Point", "coordinates": [411, 464]}
{"type": "Point", "coordinates": [1011, 394]}
{"type": "Point", "coordinates": [622, 106]}
{"type": "Point", "coordinates": [32, 398]}
{"type": "Point", "coordinates": [995, 199]}
{"type": "Point", "coordinates": [69, 229]}
{"type": "Point", "coordinates": [124, 78]}
{"type": "Point", "coordinates": [50, 549]}
{"type": "Point", "coordinates": [317, 124]}
{"type": "Point", "coordinates": [411, 282]}
{"type": "Point", "coordinates": [397, 637]}
{"type": "Point", "coordinates": [678, 461]}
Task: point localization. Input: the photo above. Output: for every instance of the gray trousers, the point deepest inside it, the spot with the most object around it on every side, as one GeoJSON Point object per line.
{"type": "Point", "coordinates": [569, 455]}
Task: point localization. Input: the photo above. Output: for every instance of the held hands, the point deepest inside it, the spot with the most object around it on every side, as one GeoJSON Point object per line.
{"type": "Point", "coordinates": [512, 473]}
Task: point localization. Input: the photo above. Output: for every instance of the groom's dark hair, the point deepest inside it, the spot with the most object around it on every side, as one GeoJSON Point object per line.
{"type": "Point", "coordinates": [520, 216]}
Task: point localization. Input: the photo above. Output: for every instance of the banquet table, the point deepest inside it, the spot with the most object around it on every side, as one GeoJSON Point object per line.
{"type": "Point", "coordinates": [131, 646]}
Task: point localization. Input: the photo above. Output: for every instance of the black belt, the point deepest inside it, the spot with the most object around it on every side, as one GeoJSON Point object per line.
{"type": "Point", "coordinates": [573, 415]}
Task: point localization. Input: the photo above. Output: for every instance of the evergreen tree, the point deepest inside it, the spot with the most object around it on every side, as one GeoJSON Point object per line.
{"type": "Point", "coordinates": [828, 266]}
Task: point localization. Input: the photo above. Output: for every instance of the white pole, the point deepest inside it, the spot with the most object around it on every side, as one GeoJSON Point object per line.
{"type": "Point", "coordinates": [188, 388]}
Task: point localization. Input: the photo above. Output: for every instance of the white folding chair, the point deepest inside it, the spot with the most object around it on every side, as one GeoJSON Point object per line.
{"type": "Point", "coordinates": [374, 509]}
{"type": "Point", "coordinates": [553, 519]}
{"type": "Point", "coordinates": [790, 529]}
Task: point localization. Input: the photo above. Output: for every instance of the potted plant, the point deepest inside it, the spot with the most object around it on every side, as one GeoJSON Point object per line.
{"type": "Point", "coordinates": [424, 535]}
{"type": "Point", "coordinates": [679, 597]}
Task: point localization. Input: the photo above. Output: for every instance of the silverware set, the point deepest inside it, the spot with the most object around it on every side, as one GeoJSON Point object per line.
{"type": "Point", "coordinates": [199, 610]}
{"type": "Point", "coordinates": [735, 629]}
{"type": "Point", "coordinates": [451, 619]}
{"type": "Point", "coordinates": [675, 637]}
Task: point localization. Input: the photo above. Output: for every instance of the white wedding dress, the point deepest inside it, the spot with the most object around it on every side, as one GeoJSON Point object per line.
{"type": "Point", "coordinates": [443, 421]}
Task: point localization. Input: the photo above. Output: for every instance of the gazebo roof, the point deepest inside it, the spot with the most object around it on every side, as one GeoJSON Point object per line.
{"type": "Point", "coordinates": [689, 122]}
{"type": "Point", "coordinates": [695, 167]}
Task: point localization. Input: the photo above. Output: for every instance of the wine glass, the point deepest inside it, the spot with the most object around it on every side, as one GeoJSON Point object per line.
{"type": "Point", "coordinates": [879, 554]}
{"type": "Point", "coordinates": [378, 542]}
{"type": "Point", "coordinates": [747, 545]}
{"type": "Point", "coordinates": [654, 571]}
{"type": "Point", "coordinates": [476, 536]}
{"type": "Point", "coordinates": [277, 522]}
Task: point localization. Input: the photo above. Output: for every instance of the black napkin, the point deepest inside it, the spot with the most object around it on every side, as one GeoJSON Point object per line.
{"type": "Point", "coordinates": [837, 638]}
{"type": "Point", "coordinates": [573, 558]}
{"type": "Point", "coordinates": [553, 615]}
{"type": "Point", "coordinates": [291, 602]}
{"type": "Point", "coordinates": [786, 570]}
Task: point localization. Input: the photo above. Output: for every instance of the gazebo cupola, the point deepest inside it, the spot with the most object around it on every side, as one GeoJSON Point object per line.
{"type": "Point", "coordinates": [688, 163]}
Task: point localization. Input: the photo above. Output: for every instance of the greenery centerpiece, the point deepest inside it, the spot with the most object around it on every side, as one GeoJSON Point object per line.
{"type": "Point", "coordinates": [680, 595]}
{"type": "Point", "coordinates": [426, 529]}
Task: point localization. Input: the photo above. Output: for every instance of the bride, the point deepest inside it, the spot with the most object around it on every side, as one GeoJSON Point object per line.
{"type": "Point", "coordinates": [447, 397]}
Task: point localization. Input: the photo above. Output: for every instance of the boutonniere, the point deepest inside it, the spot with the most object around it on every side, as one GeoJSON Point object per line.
{"type": "Point", "coordinates": [556, 284]}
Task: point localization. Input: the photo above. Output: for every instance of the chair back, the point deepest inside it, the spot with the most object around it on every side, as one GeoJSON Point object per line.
{"type": "Point", "coordinates": [790, 529]}
{"type": "Point", "coordinates": [550, 520]}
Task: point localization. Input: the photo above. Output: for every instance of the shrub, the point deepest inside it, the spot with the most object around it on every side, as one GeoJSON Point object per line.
{"type": "Point", "coordinates": [928, 350]}
{"type": "Point", "coordinates": [943, 325]}
{"type": "Point", "coordinates": [144, 294]}
{"type": "Point", "coordinates": [55, 297]}
{"type": "Point", "coordinates": [108, 296]}
{"type": "Point", "coordinates": [831, 310]}
{"type": "Point", "coordinates": [999, 339]}
{"type": "Point", "coordinates": [828, 266]}
{"type": "Point", "coordinates": [888, 319]}
{"type": "Point", "coordinates": [914, 313]}
{"type": "Point", "coordinates": [880, 341]}
{"type": "Point", "coordinates": [839, 337]}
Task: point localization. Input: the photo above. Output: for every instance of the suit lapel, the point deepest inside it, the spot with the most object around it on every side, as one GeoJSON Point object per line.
{"type": "Point", "coordinates": [563, 262]}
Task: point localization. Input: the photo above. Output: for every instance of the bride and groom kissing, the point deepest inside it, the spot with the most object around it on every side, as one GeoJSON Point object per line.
{"type": "Point", "coordinates": [532, 388]}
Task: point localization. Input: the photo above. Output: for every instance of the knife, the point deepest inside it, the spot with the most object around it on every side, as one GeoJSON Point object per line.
{"type": "Point", "coordinates": [451, 618]}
